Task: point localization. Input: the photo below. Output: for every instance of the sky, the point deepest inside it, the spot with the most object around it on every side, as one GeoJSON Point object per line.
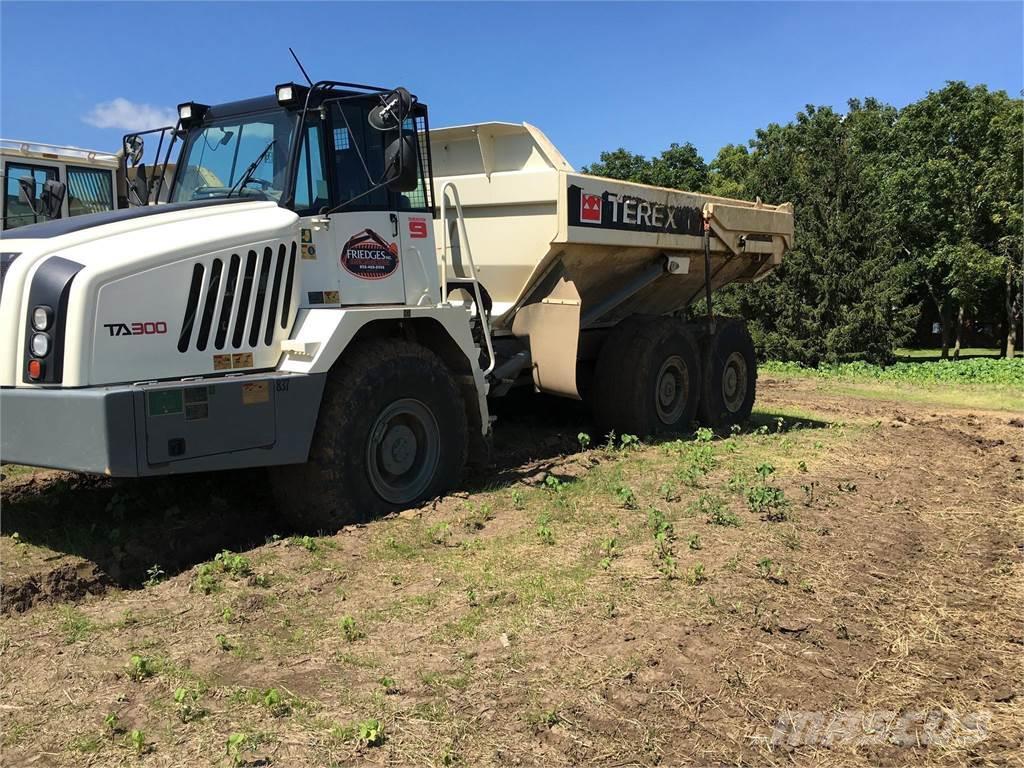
{"type": "Point", "coordinates": [592, 75]}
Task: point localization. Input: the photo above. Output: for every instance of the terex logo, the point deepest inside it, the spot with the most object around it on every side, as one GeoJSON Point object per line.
{"type": "Point", "coordinates": [136, 329]}
{"type": "Point", "coordinates": [590, 208]}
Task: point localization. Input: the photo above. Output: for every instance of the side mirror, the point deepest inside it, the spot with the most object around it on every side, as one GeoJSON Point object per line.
{"type": "Point", "coordinates": [394, 107]}
{"type": "Point", "coordinates": [53, 197]}
{"type": "Point", "coordinates": [400, 165]}
{"type": "Point", "coordinates": [27, 191]}
{"type": "Point", "coordinates": [133, 148]}
{"type": "Point", "coordinates": [139, 185]}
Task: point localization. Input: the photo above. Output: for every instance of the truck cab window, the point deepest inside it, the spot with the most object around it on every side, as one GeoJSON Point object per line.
{"type": "Point", "coordinates": [311, 192]}
{"type": "Point", "coordinates": [89, 190]}
{"type": "Point", "coordinates": [218, 153]}
{"type": "Point", "coordinates": [352, 136]}
{"type": "Point", "coordinates": [17, 213]}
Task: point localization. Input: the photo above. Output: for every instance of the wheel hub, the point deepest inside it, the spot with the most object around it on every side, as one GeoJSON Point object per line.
{"type": "Point", "coordinates": [672, 389]}
{"type": "Point", "coordinates": [734, 382]}
{"type": "Point", "coordinates": [403, 451]}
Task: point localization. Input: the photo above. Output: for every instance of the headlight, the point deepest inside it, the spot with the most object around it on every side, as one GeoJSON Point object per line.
{"type": "Point", "coordinates": [40, 345]}
{"type": "Point", "coordinates": [41, 318]}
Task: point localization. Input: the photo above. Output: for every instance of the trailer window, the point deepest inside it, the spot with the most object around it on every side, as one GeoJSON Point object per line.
{"type": "Point", "coordinates": [90, 190]}
{"type": "Point", "coordinates": [17, 213]}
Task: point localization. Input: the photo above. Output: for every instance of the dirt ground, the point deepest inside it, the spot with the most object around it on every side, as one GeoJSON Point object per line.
{"type": "Point", "coordinates": [838, 584]}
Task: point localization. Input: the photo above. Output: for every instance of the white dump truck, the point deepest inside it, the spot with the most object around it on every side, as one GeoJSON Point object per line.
{"type": "Point", "coordinates": [334, 290]}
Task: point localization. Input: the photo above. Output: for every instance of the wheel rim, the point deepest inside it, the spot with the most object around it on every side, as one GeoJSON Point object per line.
{"type": "Point", "coordinates": [734, 382]}
{"type": "Point", "coordinates": [403, 451]}
{"type": "Point", "coordinates": [672, 390]}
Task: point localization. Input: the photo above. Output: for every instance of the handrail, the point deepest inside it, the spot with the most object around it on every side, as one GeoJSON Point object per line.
{"type": "Point", "coordinates": [39, 148]}
{"type": "Point", "coordinates": [463, 244]}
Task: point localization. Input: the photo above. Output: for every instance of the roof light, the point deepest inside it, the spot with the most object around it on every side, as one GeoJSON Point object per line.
{"type": "Point", "coordinates": [291, 94]}
{"type": "Point", "coordinates": [191, 112]}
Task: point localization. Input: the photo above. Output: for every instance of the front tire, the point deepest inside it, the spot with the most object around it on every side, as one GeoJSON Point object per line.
{"type": "Point", "coordinates": [391, 434]}
{"type": "Point", "coordinates": [730, 375]}
{"type": "Point", "coordinates": [647, 380]}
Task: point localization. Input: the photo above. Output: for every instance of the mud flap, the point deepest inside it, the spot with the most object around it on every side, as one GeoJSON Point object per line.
{"type": "Point", "coordinates": [552, 328]}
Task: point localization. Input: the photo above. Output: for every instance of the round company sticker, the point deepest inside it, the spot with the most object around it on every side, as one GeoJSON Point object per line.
{"type": "Point", "coordinates": [368, 256]}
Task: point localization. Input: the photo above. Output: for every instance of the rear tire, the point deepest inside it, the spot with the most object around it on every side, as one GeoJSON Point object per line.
{"type": "Point", "coordinates": [730, 375]}
{"type": "Point", "coordinates": [647, 380]}
{"type": "Point", "coordinates": [391, 433]}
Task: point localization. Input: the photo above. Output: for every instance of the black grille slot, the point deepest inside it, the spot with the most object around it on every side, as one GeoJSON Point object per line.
{"type": "Point", "coordinates": [229, 299]}
{"type": "Point", "coordinates": [275, 294]}
{"type": "Point", "coordinates": [212, 292]}
{"type": "Point", "coordinates": [243, 304]}
{"type": "Point", "coordinates": [286, 308]}
{"type": "Point", "coordinates": [261, 294]}
{"type": "Point", "coordinates": [190, 308]}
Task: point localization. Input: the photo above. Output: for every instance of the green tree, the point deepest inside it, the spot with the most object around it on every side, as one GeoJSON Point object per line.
{"type": "Point", "coordinates": [678, 167]}
{"type": "Point", "coordinates": [951, 198]}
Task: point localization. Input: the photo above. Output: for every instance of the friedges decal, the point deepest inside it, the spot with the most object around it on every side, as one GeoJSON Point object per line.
{"type": "Point", "coordinates": [609, 210]}
{"type": "Point", "coordinates": [368, 256]}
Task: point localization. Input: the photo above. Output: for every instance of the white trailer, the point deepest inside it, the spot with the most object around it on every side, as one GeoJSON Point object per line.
{"type": "Point", "coordinates": [335, 291]}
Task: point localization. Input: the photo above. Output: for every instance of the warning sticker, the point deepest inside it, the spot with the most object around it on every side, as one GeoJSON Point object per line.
{"type": "Point", "coordinates": [257, 392]}
{"type": "Point", "coordinates": [241, 360]}
{"type": "Point", "coordinates": [332, 297]}
{"type": "Point", "coordinates": [222, 362]}
{"type": "Point", "coordinates": [307, 236]}
{"type": "Point", "coordinates": [308, 251]}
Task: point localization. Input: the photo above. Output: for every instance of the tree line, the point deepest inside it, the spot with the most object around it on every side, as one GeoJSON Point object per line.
{"type": "Point", "coordinates": [898, 212]}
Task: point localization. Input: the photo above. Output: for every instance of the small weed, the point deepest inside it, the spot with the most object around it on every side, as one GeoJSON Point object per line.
{"type": "Point", "coordinates": [553, 483]}
{"type": "Point", "coordinates": [188, 705]}
{"type": "Point", "coordinates": [715, 512]}
{"type": "Point", "coordinates": [518, 499]}
{"type": "Point", "coordinates": [74, 624]}
{"type": "Point", "coordinates": [693, 542]}
{"type": "Point", "coordinates": [206, 579]}
{"type": "Point", "coordinates": [808, 489]}
{"type": "Point", "coordinates": [223, 643]}
{"type": "Point", "coordinates": [789, 537]}
{"type": "Point", "coordinates": [236, 743]}
{"type": "Point", "coordinates": [371, 732]}
{"type": "Point", "coordinates": [543, 718]}
{"type": "Point", "coordinates": [667, 492]}
{"type": "Point", "coordinates": [440, 533]}
{"type": "Point", "coordinates": [664, 543]}
{"type": "Point", "coordinates": [544, 532]}
{"type": "Point", "coordinates": [232, 564]}
{"type": "Point", "coordinates": [806, 586]}
{"type": "Point", "coordinates": [767, 500]}
{"type": "Point", "coordinates": [626, 497]}
{"type": "Point", "coordinates": [137, 739]}
{"type": "Point", "coordinates": [112, 723]}
{"type": "Point", "coordinates": [767, 571]}
{"type": "Point", "coordinates": [584, 440]}
{"type": "Point", "coordinates": [154, 575]}
{"type": "Point", "coordinates": [696, 575]}
{"type": "Point", "coordinates": [308, 543]}
{"type": "Point", "coordinates": [275, 703]}
{"type": "Point", "coordinates": [609, 551]}
{"type": "Point", "coordinates": [349, 630]}
{"type": "Point", "coordinates": [478, 517]}
{"type": "Point", "coordinates": [260, 580]}
{"type": "Point", "coordinates": [802, 465]}
{"type": "Point", "coordinates": [737, 483]}
{"type": "Point", "coordinates": [629, 442]}
{"type": "Point", "coordinates": [140, 668]}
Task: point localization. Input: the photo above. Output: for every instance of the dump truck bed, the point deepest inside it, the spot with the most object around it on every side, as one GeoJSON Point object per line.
{"type": "Point", "coordinates": [540, 231]}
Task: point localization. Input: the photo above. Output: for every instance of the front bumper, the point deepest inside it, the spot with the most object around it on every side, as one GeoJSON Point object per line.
{"type": "Point", "coordinates": [168, 428]}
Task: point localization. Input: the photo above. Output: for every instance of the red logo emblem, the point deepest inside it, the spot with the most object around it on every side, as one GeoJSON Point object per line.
{"type": "Point", "coordinates": [417, 228]}
{"type": "Point", "coordinates": [590, 208]}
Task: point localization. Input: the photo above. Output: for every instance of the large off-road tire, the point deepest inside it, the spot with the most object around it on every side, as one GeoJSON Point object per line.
{"type": "Point", "coordinates": [391, 433]}
{"type": "Point", "coordinates": [647, 380]}
{"type": "Point", "coordinates": [730, 375]}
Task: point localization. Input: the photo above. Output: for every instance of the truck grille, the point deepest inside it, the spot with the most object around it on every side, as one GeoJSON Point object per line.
{"type": "Point", "coordinates": [241, 302]}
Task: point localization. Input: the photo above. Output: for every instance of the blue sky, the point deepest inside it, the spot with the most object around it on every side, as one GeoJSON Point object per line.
{"type": "Point", "coordinates": [591, 75]}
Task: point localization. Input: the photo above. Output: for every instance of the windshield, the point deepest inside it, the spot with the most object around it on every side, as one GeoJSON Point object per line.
{"type": "Point", "coordinates": [218, 154]}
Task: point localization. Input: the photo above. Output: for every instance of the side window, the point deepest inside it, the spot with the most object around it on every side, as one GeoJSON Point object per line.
{"type": "Point", "coordinates": [420, 197]}
{"type": "Point", "coordinates": [311, 182]}
{"type": "Point", "coordinates": [17, 213]}
{"type": "Point", "coordinates": [352, 135]}
{"type": "Point", "coordinates": [89, 190]}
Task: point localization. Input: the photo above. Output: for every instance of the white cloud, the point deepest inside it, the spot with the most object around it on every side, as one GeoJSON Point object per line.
{"type": "Point", "coordinates": [129, 116]}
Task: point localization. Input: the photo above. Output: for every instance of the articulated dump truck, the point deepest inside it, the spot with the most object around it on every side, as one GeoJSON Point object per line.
{"type": "Point", "coordinates": [319, 283]}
